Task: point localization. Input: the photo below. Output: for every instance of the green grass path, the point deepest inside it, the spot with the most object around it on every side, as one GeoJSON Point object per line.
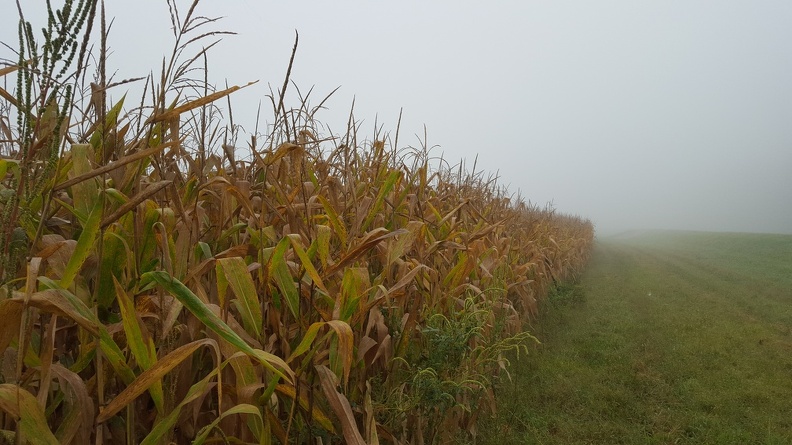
{"type": "Point", "coordinates": [670, 337]}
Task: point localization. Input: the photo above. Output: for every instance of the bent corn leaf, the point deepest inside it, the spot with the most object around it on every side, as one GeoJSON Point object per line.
{"type": "Point", "coordinates": [152, 376]}
{"type": "Point", "coordinates": [22, 405]}
{"type": "Point", "coordinates": [213, 322]}
{"type": "Point", "coordinates": [242, 408]}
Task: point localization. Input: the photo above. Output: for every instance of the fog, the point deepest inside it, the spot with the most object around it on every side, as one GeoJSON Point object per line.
{"type": "Point", "coordinates": [636, 115]}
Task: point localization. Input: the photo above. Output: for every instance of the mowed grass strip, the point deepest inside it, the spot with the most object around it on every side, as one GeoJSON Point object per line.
{"type": "Point", "coordinates": [669, 337]}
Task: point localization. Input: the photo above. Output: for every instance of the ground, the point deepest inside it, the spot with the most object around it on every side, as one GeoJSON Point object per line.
{"type": "Point", "coordinates": [669, 337]}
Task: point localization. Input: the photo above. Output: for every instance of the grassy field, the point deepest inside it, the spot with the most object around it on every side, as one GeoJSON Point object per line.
{"type": "Point", "coordinates": [669, 337]}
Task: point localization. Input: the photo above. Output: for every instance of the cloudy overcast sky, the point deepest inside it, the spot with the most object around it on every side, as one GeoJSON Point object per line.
{"type": "Point", "coordinates": [635, 114]}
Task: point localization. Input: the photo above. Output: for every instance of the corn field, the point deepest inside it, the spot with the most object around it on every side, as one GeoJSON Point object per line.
{"type": "Point", "coordinates": [163, 282]}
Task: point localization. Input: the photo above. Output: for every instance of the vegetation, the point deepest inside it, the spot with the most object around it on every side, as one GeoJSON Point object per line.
{"type": "Point", "coordinates": [158, 287]}
{"type": "Point", "coordinates": [669, 337]}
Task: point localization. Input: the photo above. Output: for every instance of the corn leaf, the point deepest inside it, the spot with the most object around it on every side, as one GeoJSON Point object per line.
{"type": "Point", "coordinates": [279, 271]}
{"type": "Point", "coordinates": [66, 304]}
{"type": "Point", "coordinates": [306, 263]}
{"type": "Point", "coordinates": [164, 426]}
{"type": "Point", "coordinates": [346, 339]}
{"type": "Point", "coordinates": [234, 272]}
{"type": "Point", "coordinates": [383, 192]}
{"type": "Point", "coordinates": [78, 421]}
{"type": "Point", "coordinates": [316, 413]}
{"type": "Point", "coordinates": [335, 220]}
{"type": "Point", "coordinates": [152, 376]}
{"type": "Point", "coordinates": [139, 341]}
{"type": "Point", "coordinates": [213, 322]}
{"type": "Point", "coordinates": [84, 193]}
{"type": "Point", "coordinates": [242, 408]}
{"type": "Point", "coordinates": [32, 424]}
{"type": "Point", "coordinates": [307, 340]}
{"type": "Point", "coordinates": [340, 405]}
{"type": "Point", "coordinates": [84, 245]}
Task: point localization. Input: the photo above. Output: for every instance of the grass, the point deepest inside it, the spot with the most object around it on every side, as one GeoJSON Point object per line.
{"type": "Point", "coordinates": [669, 337]}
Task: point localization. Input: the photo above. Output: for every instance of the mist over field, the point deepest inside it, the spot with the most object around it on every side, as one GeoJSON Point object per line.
{"type": "Point", "coordinates": [667, 115]}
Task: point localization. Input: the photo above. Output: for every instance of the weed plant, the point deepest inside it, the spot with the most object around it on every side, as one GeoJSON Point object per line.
{"type": "Point", "coordinates": [160, 288]}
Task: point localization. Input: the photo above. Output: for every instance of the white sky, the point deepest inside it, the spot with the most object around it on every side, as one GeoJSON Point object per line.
{"type": "Point", "coordinates": [635, 114]}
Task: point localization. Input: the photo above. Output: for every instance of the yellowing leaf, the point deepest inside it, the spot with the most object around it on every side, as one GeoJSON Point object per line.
{"type": "Point", "coordinates": [139, 341]}
{"type": "Point", "coordinates": [306, 263]}
{"type": "Point", "coordinates": [346, 339]}
{"type": "Point", "coordinates": [242, 408]}
{"type": "Point", "coordinates": [22, 405]}
{"type": "Point", "coordinates": [151, 376]}
{"type": "Point", "coordinates": [316, 412]}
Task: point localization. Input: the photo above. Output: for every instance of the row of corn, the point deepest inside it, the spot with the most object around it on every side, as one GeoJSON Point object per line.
{"type": "Point", "coordinates": [156, 289]}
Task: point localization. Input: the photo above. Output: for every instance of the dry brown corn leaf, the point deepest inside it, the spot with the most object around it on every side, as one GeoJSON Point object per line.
{"type": "Point", "coordinates": [340, 405]}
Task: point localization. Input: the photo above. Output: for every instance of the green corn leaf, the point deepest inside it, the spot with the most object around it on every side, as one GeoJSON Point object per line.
{"type": "Point", "coordinates": [213, 322]}
{"type": "Point", "coordinates": [84, 245]}
{"type": "Point", "coordinates": [353, 287]}
{"type": "Point", "coordinates": [85, 193]}
{"type": "Point", "coordinates": [73, 308]}
{"type": "Point", "coordinates": [306, 263]}
{"type": "Point", "coordinates": [306, 341]}
{"type": "Point", "coordinates": [111, 118]}
{"type": "Point", "coordinates": [383, 192]}
{"type": "Point", "coordinates": [114, 259]}
{"type": "Point", "coordinates": [233, 230]}
{"type": "Point", "coordinates": [279, 271]}
{"type": "Point", "coordinates": [234, 271]}
{"type": "Point", "coordinates": [164, 427]}
{"type": "Point", "coordinates": [335, 221]}
{"type": "Point", "coordinates": [322, 243]}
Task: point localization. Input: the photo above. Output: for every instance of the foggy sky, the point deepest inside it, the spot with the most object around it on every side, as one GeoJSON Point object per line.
{"type": "Point", "coordinates": [663, 114]}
